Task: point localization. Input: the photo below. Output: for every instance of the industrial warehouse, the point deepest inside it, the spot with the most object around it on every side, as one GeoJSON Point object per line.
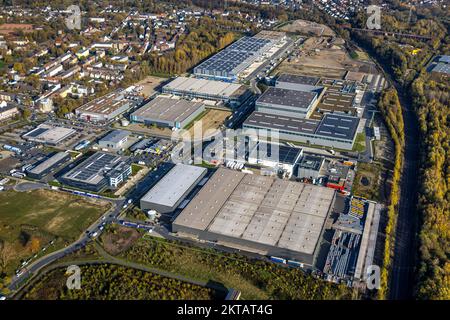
{"type": "Point", "coordinates": [310, 110]}
{"type": "Point", "coordinates": [335, 131]}
{"type": "Point", "coordinates": [168, 112]}
{"type": "Point", "coordinates": [97, 172]}
{"type": "Point", "coordinates": [115, 140]}
{"type": "Point", "coordinates": [46, 166]}
{"type": "Point", "coordinates": [261, 214]}
{"type": "Point", "coordinates": [170, 191]}
{"type": "Point", "coordinates": [279, 157]}
{"type": "Point", "coordinates": [283, 102]}
{"type": "Point", "coordinates": [48, 134]}
{"type": "Point", "coordinates": [231, 94]}
{"type": "Point", "coordinates": [230, 63]}
{"type": "Point", "coordinates": [105, 108]}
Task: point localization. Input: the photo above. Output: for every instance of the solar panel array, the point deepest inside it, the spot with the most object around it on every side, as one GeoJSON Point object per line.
{"type": "Point", "coordinates": [285, 154]}
{"type": "Point", "coordinates": [92, 166]}
{"type": "Point", "coordinates": [234, 58]}
{"type": "Point", "coordinates": [36, 132]}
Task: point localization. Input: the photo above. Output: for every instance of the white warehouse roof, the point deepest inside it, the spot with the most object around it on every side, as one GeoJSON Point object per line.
{"type": "Point", "coordinates": [209, 87]}
{"type": "Point", "coordinates": [173, 186]}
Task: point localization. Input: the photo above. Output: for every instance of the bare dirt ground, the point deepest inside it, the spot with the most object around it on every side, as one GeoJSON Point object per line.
{"type": "Point", "coordinates": [150, 85]}
{"type": "Point", "coordinates": [211, 120]}
{"type": "Point", "coordinates": [307, 28]}
{"type": "Point", "coordinates": [320, 56]}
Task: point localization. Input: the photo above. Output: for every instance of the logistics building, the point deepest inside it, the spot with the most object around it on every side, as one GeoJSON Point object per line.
{"type": "Point", "coordinates": [335, 131]}
{"type": "Point", "coordinates": [261, 214]}
{"type": "Point", "coordinates": [285, 102]}
{"type": "Point", "coordinates": [116, 140]}
{"type": "Point", "coordinates": [44, 167]}
{"type": "Point", "coordinates": [229, 63]}
{"type": "Point", "coordinates": [49, 134]}
{"type": "Point", "coordinates": [168, 112]}
{"type": "Point", "coordinates": [105, 108]}
{"type": "Point", "coordinates": [298, 82]}
{"type": "Point", "coordinates": [276, 156]}
{"type": "Point", "coordinates": [231, 94]}
{"type": "Point", "coordinates": [171, 190]}
{"type": "Point", "coordinates": [97, 172]}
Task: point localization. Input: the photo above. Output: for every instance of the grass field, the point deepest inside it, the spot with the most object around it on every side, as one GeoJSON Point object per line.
{"type": "Point", "coordinates": [367, 181]}
{"type": "Point", "coordinates": [255, 279]}
{"type": "Point", "coordinates": [30, 220]}
{"type": "Point", "coordinates": [360, 142]}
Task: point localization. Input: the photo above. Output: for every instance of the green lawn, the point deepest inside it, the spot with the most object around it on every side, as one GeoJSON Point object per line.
{"type": "Point", "coordinates": [30, 220]}
{"type": "Point", "coordinates": [135, 168]}
{"type": "Point", "coordinates": [360, 142]}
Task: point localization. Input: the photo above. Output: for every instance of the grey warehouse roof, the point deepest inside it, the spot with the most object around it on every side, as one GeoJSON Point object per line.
{"type": "Point", "coordinates": [264, 120]}
{"type": "Point", "coordinates": [115, 136]}
{"type": "Point", "coordinates": [338, 126]}
{"type": "Point", "coordinates": [445, 59]}
{"type": "Point", "coordinates": [260, 209]}
{"type": "Point", "coordinates": [292, 98]}
{"type": "Point", "coordinates": [174, 185]}
{"type": "Point", "coordinates": [49, 162]}
{"type": "Point", "coordinates": [167, 109]}
{"type": "Point", "coordinates": [332, 125]}
{"type": "Point", "coordinates": [299, 79]}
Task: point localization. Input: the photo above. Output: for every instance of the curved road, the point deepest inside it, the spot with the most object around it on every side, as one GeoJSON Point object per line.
{"type": "Point", "coordinates": [108, 217]}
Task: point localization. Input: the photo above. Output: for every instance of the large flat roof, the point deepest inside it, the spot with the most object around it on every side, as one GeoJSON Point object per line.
{"type": "Point", "coordinates": [205, 87]}
{"type": "Point", "coordinates": [167, 109]}
{"type": "Point", "coordinates": [106, 104]}
{"type": "Point", "coordinates": [49, 162]}
{"type": "Point", "coordinates": [115, 136]}
{"type": "Point", "coordinates": [338, 126]}
{"type": "Point", "coordinates": [174, 185]}
{"type": "Point", "coordinates": [286, 97]}
{"type": "Point", "coordinates": [264, 120]}
{"type": "Point", "coordinates": [332, 125]}
{"type": "Point", "coordinates": [261, 209]}
{"type": "Point", "coordinates": [49, 134]}
{"type": "Point", "coordinates": [281, 153]}
{"type": "Point", "coordinates": [298, 79]}
{"type": "Point", "coordinates": [93, 169]}
{"type": "Point", "coordinates": [335, 102]}
{"type": "Point", "coordinates": [441, 68]}
{"type": "Point", "coordinates": [229, 59]}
